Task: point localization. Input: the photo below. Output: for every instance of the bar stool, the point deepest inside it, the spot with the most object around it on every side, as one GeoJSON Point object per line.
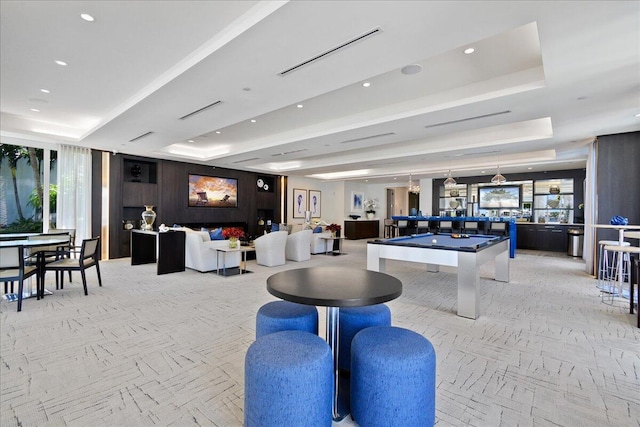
{"type": "Point", "coordinates": [618, 277]}
{"type": "Point", "coordinates": [445, 227]}
{"type": "Point", "coordinates": [603, 262]}
{"type": "Point", "coordinates": [470, 227]}
{"type": "Point", "coordinates": [403, 224]}
{"type": "Point", "coordinates": [389, 228]}
{"type": "Point", "coordinates": [422, 227]}
{"type": "Point", "coordinates": [632, 234]}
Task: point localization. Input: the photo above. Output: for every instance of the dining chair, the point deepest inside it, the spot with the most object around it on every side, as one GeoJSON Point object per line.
{"type": "Point", "coordinates": [87, 258]}
{"type": "Point", "coordinates": [13, 268]}
{"type": "Point", "coordinates": [47, 254]}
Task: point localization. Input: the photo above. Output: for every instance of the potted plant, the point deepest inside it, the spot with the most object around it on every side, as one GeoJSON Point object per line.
{"type": "Point", "coordinates": [233, 234]}
{"type": "Point", "coordinates": [333, 228]}
{"type": "Point", "coordinates": [369, 206]}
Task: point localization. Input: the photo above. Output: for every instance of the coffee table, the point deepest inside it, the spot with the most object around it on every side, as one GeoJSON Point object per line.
{"type": "Point", "coordinates": [326, 286]}
{"type": "Point", "coordinates": [328, 239]}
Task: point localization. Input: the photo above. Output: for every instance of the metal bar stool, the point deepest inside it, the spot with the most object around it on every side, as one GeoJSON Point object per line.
{"type": "Point", "coordinates": [603, 263]}
{"type": "Point", "coordinates": [618, 275]}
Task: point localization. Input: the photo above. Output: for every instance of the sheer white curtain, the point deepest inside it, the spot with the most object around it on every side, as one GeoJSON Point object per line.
{"type": "Point", "coordinates": [590, 208]}
{"type": "Point", "coordinates": [74, 190]}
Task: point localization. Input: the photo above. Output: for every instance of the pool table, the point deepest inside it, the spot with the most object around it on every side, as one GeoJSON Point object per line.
{"type": "Point", "coordinates": [466, 252]}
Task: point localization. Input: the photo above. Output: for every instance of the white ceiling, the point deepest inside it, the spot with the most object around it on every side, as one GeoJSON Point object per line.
{"type": "Point", "coordinates": [544, 80]}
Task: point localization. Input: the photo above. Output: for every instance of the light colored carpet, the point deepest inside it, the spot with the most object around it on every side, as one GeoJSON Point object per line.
{"type": "Point", "coordinates": [169, 350]}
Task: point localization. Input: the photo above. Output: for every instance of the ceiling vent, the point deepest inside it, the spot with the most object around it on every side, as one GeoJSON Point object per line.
{"type": "Point", "coordinates": [332, 50]}
{"type": "Point", "coordinates": [364, 138]}
{"type": "Point", "coordinates": [141, 136]}
{"type": "Point", "coordinates": [484, 116]}
{"type": "Point", "coordinates": [200, 110]}
{"type": "Point", "coordinates": [476, 153]}
{"type": "Point", "coordinates": [246, 160]}
{"type": "Point", "coordinates": [288, 152]}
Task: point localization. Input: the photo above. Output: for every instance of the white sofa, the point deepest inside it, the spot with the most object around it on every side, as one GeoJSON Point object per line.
{"type": "Point", "coordinates": [318, 244]}
{"type": "Point", "coordinates": [299, 246]}
{"type": "Point", "coordinates": [270, 248]}
{"type": "Point", "coordinates": [200, 253]}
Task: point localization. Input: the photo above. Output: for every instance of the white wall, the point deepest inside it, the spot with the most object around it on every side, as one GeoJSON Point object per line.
{"type": "Point", "coordinates": [336, 198]}
{"type": "Point", "coordinates": [332, 198]}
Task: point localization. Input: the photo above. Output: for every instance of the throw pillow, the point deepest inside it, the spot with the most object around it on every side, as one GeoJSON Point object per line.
{"type": "Point", "coordinates": [216, 234]}
{"type": "Point", "coordinates": [275, 227]}
{"type": "Point", "coordinates": [318, 229]}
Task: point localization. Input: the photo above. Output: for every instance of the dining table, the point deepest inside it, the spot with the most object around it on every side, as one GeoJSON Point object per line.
{"type": "Point", "coordinates": [334, 287]}
{"type": "Point", "coordinates": [31, 245]}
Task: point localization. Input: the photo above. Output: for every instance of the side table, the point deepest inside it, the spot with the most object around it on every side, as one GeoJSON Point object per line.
{"type": "Point", "coordinates": [242, 269]}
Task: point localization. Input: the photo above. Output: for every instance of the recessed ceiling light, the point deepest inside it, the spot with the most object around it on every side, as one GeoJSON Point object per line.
{"type": "Point", "coordinates": [366, 84]}
{"type": "Point", "coordinates": [637, 115]}
{"type": "Point", "coordinates": [35, 110]}
{"type": "Point", "coordinates": [529, 168]}
{"type": "Point", "coordinates": [61, 63]}
{"type": "Point", "coordinates": [299, 105]}
{"type": "Point", "coordinates": [86, 17]}
{"type": "Point", "coordinates": [482, 172]}
{"type": "Point", "coordinates": [45, 91]}
{"type": "Point", "coordinates": [190, 140]}
{"type": "Point", "coordinates": [218, 132]}
{"type": "Point", "coordinates": [411, 69]}
{"type": "Point", "coordinates": [469, 51]}
{"type": "Point", "coordinates": [253, 120]}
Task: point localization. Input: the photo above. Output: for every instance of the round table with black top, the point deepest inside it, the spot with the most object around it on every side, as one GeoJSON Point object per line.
{"type": "Point", "coordinates": [334, 287]}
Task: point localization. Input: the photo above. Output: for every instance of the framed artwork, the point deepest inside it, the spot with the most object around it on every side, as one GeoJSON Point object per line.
{"type": "Point", "coordinates": [357, 199]}
{"type": "Point", "coordinates": [299, 202]}
{"type": "Point", "coordinates": [315, 203]}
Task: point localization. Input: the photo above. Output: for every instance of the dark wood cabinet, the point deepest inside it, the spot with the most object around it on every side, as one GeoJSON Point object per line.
{"type": "Point", "coordinates": [361, 229]}
{"type": "Point", "coordinates": [544, 237]}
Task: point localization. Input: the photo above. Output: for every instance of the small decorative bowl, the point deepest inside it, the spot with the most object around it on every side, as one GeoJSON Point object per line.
{"type": "Point", "coordinates": [354, 216]}
{"type": "Point", "coordinates": [619, 220]}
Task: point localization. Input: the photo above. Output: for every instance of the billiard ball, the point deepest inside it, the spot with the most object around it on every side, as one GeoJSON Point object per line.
{"type": "Point", "coordinates": [434, 241]}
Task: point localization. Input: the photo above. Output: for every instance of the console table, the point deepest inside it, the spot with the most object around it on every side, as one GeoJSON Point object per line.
{"type": "Point", "coordinates": [166, 249]}
{"type": "Point", "coordinates": [361, 229]}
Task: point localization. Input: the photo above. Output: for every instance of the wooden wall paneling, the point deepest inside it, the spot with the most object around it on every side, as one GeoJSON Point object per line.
{"type": "Point", "coordinates": [96, 195]}
{"type": "Point", "coordinates": [618, 180]}
{"type": "Point", "coordinates": [170, 199]}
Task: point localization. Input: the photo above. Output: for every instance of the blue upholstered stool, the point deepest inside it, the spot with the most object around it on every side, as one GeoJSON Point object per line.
{"type": "Point", "coordinates": [352, 321]}
{"type": "Point", "coordinates": [393, 378]}
{"type": "Point", "coordinates": [288, 381]}
{"type": "Point", "coordinates": [278, 316]}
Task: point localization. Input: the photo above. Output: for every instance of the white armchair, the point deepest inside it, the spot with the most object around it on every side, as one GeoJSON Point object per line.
{"type": "Point", "coordinates": [299, 246]}
{"type": "Point", "coordinates": [200, 253]}
{"type": "Point", "coordinates": [270, 248]}
{"type": "Point", "coordinates": [318, 244]}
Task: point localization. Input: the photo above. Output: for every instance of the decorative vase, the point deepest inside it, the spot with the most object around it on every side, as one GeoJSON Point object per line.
{"type": "Point", "coordinates": [233, 242]}
{"type": "Point", "coordinates": [370, 215]}
{"type": "Point", "coordinates": [148, 216]}
{"type": "Point", "coordinates": [333, 234]}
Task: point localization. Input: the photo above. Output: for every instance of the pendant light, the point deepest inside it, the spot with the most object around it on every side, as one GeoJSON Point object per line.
{"type": "Point", "coordinates": [498, 178]}
{"type": "Point", "coordinates": [449, 182]}
{"type": "Point", "coordinates": [413, 188]}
